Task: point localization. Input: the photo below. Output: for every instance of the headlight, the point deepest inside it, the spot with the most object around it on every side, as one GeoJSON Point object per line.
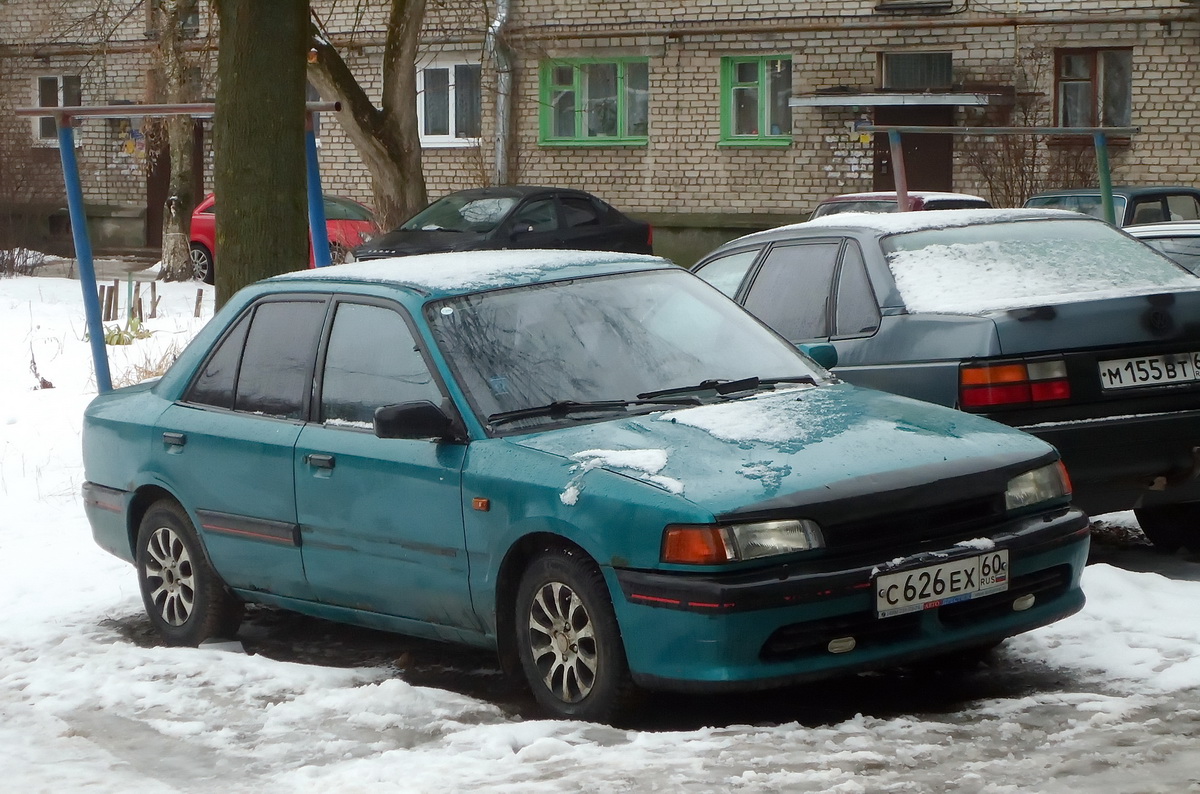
{"type": "Point", "coordinates": [709, 544]}
{"type": "Point", "coordinates": [1040, 485]}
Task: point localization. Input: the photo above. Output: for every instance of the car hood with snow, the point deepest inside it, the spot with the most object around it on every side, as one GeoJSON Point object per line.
{"type": "Point", "coordinates": [828, 451]}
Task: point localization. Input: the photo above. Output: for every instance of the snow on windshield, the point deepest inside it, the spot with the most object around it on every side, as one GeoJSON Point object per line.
{"type": "Point", "coordinates": [989, 267]}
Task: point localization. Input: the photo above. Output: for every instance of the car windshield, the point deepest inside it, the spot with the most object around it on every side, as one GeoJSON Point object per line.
{"type": "Point", "coordinates": [1090, 204]}
{"type": "Point", "coordinates": [458, 213]}
{"type": "Point", "coordinates": [604, 338]}
{"type": "Point", "coordinates": [992, 266]}
{"type": "Point", "coordinates": [340, 209]}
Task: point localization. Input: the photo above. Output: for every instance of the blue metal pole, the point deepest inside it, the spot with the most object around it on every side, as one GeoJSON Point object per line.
{"type": "Point", "coordinates": [83, 252]}
{"type": "Point", "coordinates": [1106, 196]}
{"type": "Point", "coordinates": [316, 200]}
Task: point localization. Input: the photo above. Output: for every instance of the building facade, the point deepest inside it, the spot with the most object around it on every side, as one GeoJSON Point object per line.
{"type": "Point", "coordinates": [709, 118]}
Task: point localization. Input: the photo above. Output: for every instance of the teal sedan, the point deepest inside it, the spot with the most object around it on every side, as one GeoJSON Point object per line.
{"type": "Point", "coordinates": [595, 464]}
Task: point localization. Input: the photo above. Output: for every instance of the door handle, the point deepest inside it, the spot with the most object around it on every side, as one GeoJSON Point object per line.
{"type": "Point", "coordinates": [319, 460]}
{"type": "Point", "coordinates": [174, 439]}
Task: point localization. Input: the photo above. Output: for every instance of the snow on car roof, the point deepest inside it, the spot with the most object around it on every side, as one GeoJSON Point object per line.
{"type": "Point", "coordinates": [891, 194]}
{"type": "Point", "coordinates": [465, 271]}
{"type": "Point", "coordinates": [896, 222]}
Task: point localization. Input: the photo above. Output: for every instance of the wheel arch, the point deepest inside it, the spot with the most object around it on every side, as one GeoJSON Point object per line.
{"type": "Point", "coordinates": [515, 561]}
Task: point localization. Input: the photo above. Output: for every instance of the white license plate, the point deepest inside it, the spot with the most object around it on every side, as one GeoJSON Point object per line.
{"type": "Point", "coordinates": [945, 583]}
{"type": "Point", "coordinates": [1124, 373]}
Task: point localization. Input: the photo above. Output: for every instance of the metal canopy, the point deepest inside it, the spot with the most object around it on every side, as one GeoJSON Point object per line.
{"type": "Point", "coordinates": [889, 99]}
{"type": "Point", "coordinates": [63, 118]}
{"type": "Point", "coordinates": [1099, 137]}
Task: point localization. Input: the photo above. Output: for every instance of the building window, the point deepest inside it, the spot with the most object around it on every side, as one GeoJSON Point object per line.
{"type": "Point", "coordinates": [1094, 88]}
{"type": "Point", "coordinates": [595, 102]}
{"type": "Point", "coordinates": [55, 92]}
{"type": "Point", "coordinates": [917, 71]}
{"type": "Point", "coordinates": [754, 101]}
{"type": "Point", "coordinates": [449, 102]}
{"type": "Point", "coordinates": [189, 18]}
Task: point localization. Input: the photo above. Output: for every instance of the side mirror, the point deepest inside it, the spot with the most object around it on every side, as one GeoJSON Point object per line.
{"type": "Point", "coordinates": [823, 353]}
{"type": "Point", "coordinates": [413, 420]}
{"type": "Point", "coordinates": [520, 231]}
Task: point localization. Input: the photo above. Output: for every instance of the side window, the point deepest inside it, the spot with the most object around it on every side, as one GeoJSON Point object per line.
{"type": "Point", "coordinates": [857, 311]}
{"type": "Point", "coordinates": [726, 273]}
{"type": "Point", "coordinates": [215, 383]}
{"type": "Point", "coordinates": [1183, 208]}
{"type": "Point", "coordinates": [792, 289]}
{"type": "Point", "coordinates": [536, 216]}
{"type": "Point", "coordinates": [578, 211]}
{"type": "Point", "coordinates": [1149, 211]}
{"type": "Point", "coordinates": [360, 376]}
{"type": "Point", "coordinates": [276, 368]}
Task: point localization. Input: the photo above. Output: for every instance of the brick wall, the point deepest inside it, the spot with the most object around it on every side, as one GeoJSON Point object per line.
{"type": "Point", "coordinates": [682, 170]}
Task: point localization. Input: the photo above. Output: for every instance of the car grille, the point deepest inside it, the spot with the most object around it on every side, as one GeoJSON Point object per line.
{"type": "Point", "coordinates": [912, 531]}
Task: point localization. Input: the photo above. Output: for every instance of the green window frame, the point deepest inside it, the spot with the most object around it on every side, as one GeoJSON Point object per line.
{"type": "Point", "coordinates": [595, 102]}
{"type": "Point", "coordinates": [754, 100]}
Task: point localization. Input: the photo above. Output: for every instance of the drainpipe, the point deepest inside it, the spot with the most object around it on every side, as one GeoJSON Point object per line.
{"type": "Point", "coordinates": [500, 51]}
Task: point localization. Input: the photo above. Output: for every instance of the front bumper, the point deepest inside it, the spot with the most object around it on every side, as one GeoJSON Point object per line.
{"type": "Point", "coordinates": [692, 632]}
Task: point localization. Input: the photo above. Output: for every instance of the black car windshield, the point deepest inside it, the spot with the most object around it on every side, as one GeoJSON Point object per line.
{"type": "Point", "coordinates": [602, 339]}
{"type": "Point", "coordinates": [1089, 204]}
{"type": "Point", "coordinates": [1019, 263]}
{"type": "Point", "coordinates": [459, 213]}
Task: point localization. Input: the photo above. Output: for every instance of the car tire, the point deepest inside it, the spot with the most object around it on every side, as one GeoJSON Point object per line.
{"type": "Point", "coordinates": [1171, 527]}
{"type": "Point", "coordinates": [202, 263]}
{"type": "Point", "coordinates": [568, 639]}
{"type": "Point", "coordinates": [184, 597]}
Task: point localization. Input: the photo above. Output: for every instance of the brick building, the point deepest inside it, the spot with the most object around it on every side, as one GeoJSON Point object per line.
{"type": "Point", "coordinates": [708, 117]}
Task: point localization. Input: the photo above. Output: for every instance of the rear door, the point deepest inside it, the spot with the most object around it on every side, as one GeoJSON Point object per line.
{"type": "Point", "coordinates": [226, 448]}
{"type": "Point", "coordinates": [381, 519]}
{"type": "Point", "coordinates": [588, 226]}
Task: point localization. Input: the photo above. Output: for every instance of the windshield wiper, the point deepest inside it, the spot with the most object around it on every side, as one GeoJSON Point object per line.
{"type": "Point", "coordinates": [721, 386]}
{"type": "Point", "coordinates": [561, 408]}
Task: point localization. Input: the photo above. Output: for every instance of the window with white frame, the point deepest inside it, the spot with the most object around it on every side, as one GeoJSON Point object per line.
{"type": "Point", "coordinates": [449, 102]}
{"type": "Point", "coordinates": [55, 91]}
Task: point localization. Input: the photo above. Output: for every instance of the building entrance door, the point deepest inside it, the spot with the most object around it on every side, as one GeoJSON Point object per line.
{"type": "Point", "coordinates": [928, 158]}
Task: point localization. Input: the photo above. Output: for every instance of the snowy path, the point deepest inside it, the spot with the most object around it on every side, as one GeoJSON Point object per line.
{"type": "Point", "coordinates": [1106, 701]}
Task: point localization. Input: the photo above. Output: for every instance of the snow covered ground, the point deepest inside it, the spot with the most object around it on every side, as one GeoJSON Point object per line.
{"type": "Point", "coordinates": [1106, 701]}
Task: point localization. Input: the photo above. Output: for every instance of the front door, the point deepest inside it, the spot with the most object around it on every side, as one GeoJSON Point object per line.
{"type": "Point", "coordinates": [928, 157]}
{"type": "Point", "coordinates": [380, 518]}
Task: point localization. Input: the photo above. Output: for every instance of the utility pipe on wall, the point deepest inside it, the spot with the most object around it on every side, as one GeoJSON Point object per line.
{"type": "Point", "coordinates": [500, 51]}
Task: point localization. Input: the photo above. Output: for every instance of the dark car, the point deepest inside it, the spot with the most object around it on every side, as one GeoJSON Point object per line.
{"type": "Point", "coordinates": [1131, 205]}
{"type": "Point", "coordinates": [886, 201]}
{"type": "Point", "coordinates": [1049, 321]}
{"type": "Point", "coordinates": [593, 463]}
{"type": "Point", "coordinates": [515, 216]}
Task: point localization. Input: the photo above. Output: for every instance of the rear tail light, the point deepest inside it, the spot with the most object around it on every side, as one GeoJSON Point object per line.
{"type": "Point", "coordinates": [650, 236]}
{"type": "Point", "coordinates": [1012, 383]}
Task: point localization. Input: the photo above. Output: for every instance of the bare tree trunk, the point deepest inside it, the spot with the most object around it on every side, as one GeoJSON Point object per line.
{"type": "Point", "coordinates": [258, 130]}
{"type": "Point", "coordinates": [177, 211]}
{"type": "Point", "coordinates": [388, 140]}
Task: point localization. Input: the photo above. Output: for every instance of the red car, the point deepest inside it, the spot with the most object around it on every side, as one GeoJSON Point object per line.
{"type": "Point", "coordinates": [347, 222]}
